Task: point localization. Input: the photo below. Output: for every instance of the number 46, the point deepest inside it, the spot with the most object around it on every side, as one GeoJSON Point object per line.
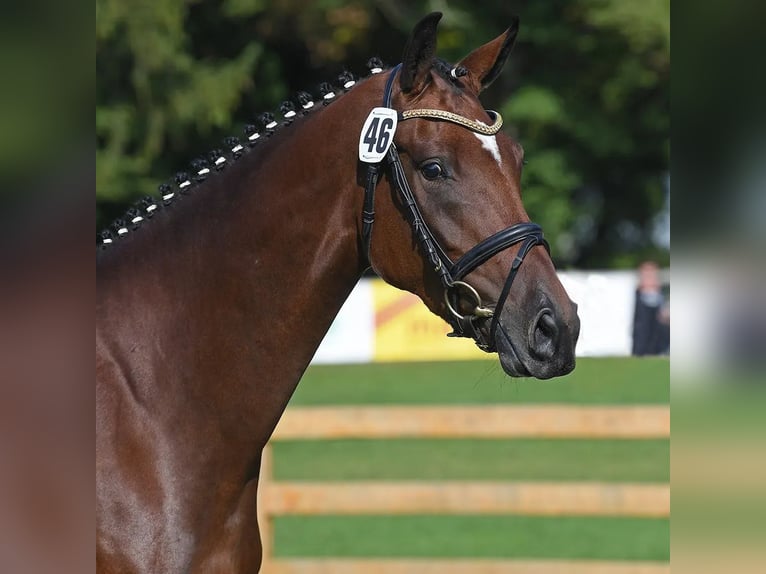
{"type": "Point", "coordinates": [377, 134]}
{"type": "Point", "coordinates": [378, 141]}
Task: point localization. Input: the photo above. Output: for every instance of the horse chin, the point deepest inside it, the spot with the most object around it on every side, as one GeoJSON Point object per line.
{"type": "Point", "coordinates": [509, 358]}
{"type": "Point", "coordinates": [521, 364]}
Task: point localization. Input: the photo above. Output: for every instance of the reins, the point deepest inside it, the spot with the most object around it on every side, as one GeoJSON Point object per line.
{"type": "Point", "coordinates": [450, 274]}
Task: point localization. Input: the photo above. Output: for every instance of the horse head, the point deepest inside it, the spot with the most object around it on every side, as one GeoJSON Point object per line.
{"type": "Point", "coordinates": [452, 227]}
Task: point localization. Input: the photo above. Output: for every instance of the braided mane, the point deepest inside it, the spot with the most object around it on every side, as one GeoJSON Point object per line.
{"type": "Point", "coordinates": [266, 124]}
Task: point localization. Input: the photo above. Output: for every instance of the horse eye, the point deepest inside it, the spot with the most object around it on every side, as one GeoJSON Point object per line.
{"type": "Point", "coordinates": [432, 170]}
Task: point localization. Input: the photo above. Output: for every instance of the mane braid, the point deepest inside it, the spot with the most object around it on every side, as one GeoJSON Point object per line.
{"type": "Point", "coordinates": [234, 148]}
{"type": "Point", "coordinates": [449, 72]}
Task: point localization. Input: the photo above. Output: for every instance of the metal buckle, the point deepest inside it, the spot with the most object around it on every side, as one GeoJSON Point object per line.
{"type": "Point", "coordinates": [478, 311]}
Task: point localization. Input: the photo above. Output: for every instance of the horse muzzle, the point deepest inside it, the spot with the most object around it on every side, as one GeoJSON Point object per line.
{"type": "Point", "coordinates": [542, 347]}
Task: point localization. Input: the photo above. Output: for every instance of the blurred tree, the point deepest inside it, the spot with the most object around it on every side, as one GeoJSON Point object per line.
{"type": "Point", "coordinates": [586, 92]}
{"type": "Point", "coordinates": [155, 90]}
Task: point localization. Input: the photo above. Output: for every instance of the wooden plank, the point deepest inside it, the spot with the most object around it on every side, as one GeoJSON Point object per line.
{"type": "Point", "coordinates": [530, 498]}
{"type": "Point", "coordinates": [486, 421]}
{"type": "Point", "coordinates": [463, 566]}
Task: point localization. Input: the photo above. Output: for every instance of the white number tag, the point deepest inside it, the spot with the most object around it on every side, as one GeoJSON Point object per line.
{"type": "Point", "coordinates": [377, 134]}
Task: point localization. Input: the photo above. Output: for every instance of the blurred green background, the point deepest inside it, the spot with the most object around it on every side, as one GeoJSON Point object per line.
{"type": "Point", "coordinates": [586, 92]}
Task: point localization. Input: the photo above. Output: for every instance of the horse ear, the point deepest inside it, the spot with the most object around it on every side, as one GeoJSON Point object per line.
{"type": "Point", "coordinates": [419, 53]}
{"type": "Point", "coordinates": [485, 63]}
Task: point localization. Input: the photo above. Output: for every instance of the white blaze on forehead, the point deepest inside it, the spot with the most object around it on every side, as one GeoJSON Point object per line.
{"type": "Point", "coordinates": [489, 143]}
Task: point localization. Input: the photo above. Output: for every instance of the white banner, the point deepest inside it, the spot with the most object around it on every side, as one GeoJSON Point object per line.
{"type": "Point", "coordinates": [351, 338]}
{"type": "Point", "coordinates": [605, 302]}
{"type": "Point", "coordinates": [371, 316]}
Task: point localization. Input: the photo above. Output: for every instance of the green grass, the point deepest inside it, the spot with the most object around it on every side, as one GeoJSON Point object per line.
{"type": "Point", "coordinates": [594, 381]}
{"type": "Point", "coordinates": [526, 459]}
{"type": "Point", "coordinates": [473, 536]}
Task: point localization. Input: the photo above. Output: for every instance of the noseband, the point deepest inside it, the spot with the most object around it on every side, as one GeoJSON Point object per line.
{"type": "Point", "coordinates": [451, 274]}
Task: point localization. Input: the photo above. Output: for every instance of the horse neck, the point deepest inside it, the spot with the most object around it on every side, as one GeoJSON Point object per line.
{"type": "Point", "coordinates": [253, 269]}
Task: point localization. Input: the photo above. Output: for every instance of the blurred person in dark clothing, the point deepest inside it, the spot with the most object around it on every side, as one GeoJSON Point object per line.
{"type": "Point", "coordinates": [651, 317]}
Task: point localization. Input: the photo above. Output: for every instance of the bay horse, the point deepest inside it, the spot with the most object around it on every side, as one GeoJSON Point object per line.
{"type": "Point", "coordinates": [213, 298]}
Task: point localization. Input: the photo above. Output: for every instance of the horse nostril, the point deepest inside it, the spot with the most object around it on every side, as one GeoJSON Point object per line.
{"type": "Point", "coordinates": [547, 325]}
{"type": "Point", "coordinates": [543, 335]}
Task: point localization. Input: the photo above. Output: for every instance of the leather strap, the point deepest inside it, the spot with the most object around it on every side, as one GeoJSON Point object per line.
{"type": "Point", "coordinates": [493, 245]}
{"type": "Point", "coordinates": [525, 248]}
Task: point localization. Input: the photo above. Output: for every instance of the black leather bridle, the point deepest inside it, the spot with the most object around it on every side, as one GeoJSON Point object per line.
{"type": "Point", "coordinates": [451, 274]}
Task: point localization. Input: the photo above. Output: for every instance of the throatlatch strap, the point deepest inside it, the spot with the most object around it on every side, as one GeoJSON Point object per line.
{"type": "Point", "coordinates": [373, 172]}
{"type": "Point", "coordinates": [368, 209]}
